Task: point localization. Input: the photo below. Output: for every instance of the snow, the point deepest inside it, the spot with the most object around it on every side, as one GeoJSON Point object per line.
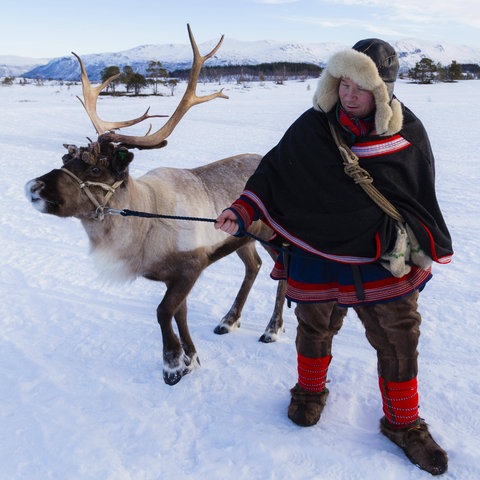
{"type": "Point", "coordinates": [81, 388]}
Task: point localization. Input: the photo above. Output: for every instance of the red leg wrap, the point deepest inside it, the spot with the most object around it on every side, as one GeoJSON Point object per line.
{"type": "Point", "coordinates": [400, 402]}
{"type": "Point", "coordinates": [312, 372]}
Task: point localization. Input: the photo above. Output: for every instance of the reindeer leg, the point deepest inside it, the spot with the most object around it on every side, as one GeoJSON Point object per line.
{"type": "Point", "coordinates": [252, 261]}
{"type": "Point", "coordinates": [191, 358]}
{"type": "Point", "coordinates": [176, 362]}
{"type": "Point", "coordinates": [275, 325]}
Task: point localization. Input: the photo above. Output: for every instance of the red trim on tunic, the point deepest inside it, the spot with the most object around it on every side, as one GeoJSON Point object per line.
{"type": "Point", "coordinates": [348, 259]}
{"type": "Point", "coordinates": [378, 291]}
{"type": "Point", "coordinates": [435, 258]}
{"type": "Point", "coordinates": [380, 147]}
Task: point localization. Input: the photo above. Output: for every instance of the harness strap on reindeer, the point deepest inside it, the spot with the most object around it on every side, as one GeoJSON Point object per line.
{"type": "Point", "coordinates": [84, 186]}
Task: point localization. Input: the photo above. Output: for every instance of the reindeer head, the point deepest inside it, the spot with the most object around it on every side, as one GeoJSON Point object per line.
{"type": "Point", "coordinates": [83, 186]}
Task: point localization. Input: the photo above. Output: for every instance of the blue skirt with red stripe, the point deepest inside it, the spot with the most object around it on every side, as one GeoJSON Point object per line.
{"type": "Point", "coordinates": [313, 279]}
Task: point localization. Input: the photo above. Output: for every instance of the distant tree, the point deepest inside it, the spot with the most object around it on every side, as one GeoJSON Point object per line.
{"type": "Point", "coordinates": [280, 75]}
{"type": "Point", "coordinates": [108, 72]}
{"type": "Point", "coordinates": [455, 71]}
{"type": "Point", "coordinates": [440, 75]}
{"type": "Point", "coordinates": [136, 81]}
{"type": "Point", "coordinates": [172, 83]}
{"type": "Point", "coordinates": [212, 74]}
{"type": "Point", "coordinates": [156, 75]}
{"type": "Point", "coordinates": [470, 70]}
{"type": "Point", "coordinates": [7, 81]}
{"type": "Point", "coordinates": [242, 77]}
{"type": "Point", "coordinates": [125, 77]}
{"type": "Point", "coordinates": [424, 71]}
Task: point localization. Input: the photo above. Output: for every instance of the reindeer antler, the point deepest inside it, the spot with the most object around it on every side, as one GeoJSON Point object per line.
{"type": "Point", "coordinates": [156, 139]}
{"type": "Point", "coordinates": [89, 102]}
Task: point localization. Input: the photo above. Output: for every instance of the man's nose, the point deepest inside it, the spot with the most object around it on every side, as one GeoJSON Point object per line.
{"type": "Point", "coordinates": [352, 93]}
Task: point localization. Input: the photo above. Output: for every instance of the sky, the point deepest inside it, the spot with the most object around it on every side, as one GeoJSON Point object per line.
{"type": "Point", "coordinates": [53, 28]}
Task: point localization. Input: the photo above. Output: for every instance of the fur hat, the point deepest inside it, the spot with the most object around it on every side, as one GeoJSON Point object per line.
{"type": "Point", "coordinates": [372, 64]}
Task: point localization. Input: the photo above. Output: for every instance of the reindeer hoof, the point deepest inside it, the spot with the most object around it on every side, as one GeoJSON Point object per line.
{"type": "Point", "coordinates": [268, 337]}
{"type": "Point", "coordinates": [271, 334]}
{"type": "Point", "coordinates": [223, 328]}
{"type": "Point", "coordinates": [171, 376]}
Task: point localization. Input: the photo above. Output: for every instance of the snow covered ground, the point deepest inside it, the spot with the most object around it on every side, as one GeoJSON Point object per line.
{"type": "Point", "coordinates": [81, 388]}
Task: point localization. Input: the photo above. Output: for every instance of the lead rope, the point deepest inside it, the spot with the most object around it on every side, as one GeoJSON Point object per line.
{"type": "Point", "coordinates": [133, 213]}
{"type": "Point", "coordinates": [285, 248]}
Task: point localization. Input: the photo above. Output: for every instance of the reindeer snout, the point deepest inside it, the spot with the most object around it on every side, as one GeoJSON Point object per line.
{"type": "Point", "coordinates": [33, 192]}
{"type": "Point", "coordinates": [33, 189]}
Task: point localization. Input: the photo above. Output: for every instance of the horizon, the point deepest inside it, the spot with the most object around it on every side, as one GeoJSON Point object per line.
{"type": "Point", "coordinates": [50, 30]}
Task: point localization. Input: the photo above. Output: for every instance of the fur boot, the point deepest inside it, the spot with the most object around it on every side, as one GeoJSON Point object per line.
{"type": "Point", "coordinates": [306, 407]}
{"type": "Point", "coordinates": [418, 445]}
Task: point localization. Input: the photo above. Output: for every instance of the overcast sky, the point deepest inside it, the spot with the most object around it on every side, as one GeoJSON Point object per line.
{"type": "Point", "coordinates": [53, 28]}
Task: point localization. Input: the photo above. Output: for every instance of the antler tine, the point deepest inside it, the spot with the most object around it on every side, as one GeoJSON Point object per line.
{"type": "Point", "coordinates": [189, 99]}
{"type": "Point", "coordinates": [89, 102]}
{"type": "Point", "coordinates": [197, 64]}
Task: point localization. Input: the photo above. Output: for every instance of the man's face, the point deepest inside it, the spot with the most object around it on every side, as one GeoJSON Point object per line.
{"type": "Point", "coordinates": [354, 99]}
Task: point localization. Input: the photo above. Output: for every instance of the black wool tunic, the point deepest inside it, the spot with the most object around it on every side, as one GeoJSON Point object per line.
{"type": "Point", "coordinates": [304, 194]}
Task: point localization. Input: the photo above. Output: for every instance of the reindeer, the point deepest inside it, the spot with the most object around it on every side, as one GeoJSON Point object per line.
{"type": "Point", "coordinates": [94, 181]}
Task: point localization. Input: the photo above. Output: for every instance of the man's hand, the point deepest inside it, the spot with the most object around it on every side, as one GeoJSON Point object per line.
{"type": "Point", "coordinates": [228, 222]}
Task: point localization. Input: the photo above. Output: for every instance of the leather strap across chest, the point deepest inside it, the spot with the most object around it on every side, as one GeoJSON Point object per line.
{"type": "Point", "coordinates": [360, 176]}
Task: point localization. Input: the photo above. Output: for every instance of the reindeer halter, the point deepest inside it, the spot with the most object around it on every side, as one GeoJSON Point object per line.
{"type": "Point", "coordinates": [84, 186]}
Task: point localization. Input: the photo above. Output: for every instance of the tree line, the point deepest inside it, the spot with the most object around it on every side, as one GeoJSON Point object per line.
{"type": "Point", "coordinates": [277, 72]}
{"type": "Point", "coordinates": [156, 75]}
{"type": "Point", "coordinates": [425, 71]}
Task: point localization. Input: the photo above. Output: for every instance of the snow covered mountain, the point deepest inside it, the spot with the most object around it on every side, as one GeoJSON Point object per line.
{"type": "Point", "coordinates": [232, 52]}
{"type": "Point", "coordinates": [13, 66]}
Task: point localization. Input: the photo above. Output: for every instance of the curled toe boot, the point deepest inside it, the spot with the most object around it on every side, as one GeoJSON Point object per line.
{"type": "Point", "coordinates": [306, 407]}
{"type": "Point", "coordinates": [418, 445]}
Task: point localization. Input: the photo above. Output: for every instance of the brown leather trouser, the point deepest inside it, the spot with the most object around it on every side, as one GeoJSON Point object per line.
{"type": "Point", "coordinates": [392, 328]}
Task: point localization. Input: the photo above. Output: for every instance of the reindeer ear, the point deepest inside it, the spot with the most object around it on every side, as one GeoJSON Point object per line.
{"type": "Point", "coordinates": [72, 152]}
{"type": "Point", "coordinates": [121, 159]}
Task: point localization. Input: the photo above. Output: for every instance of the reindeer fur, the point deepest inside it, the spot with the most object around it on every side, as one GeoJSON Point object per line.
{"type": "Point", "coordinates": [172, 251]}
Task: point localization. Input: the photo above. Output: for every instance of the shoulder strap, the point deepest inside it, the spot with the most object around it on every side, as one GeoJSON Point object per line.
{"type": "Point", "coordinates": [362, 177]}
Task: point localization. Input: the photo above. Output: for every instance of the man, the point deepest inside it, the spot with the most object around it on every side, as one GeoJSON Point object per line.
{"type": "Point", "coordinates": [345, 250]}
